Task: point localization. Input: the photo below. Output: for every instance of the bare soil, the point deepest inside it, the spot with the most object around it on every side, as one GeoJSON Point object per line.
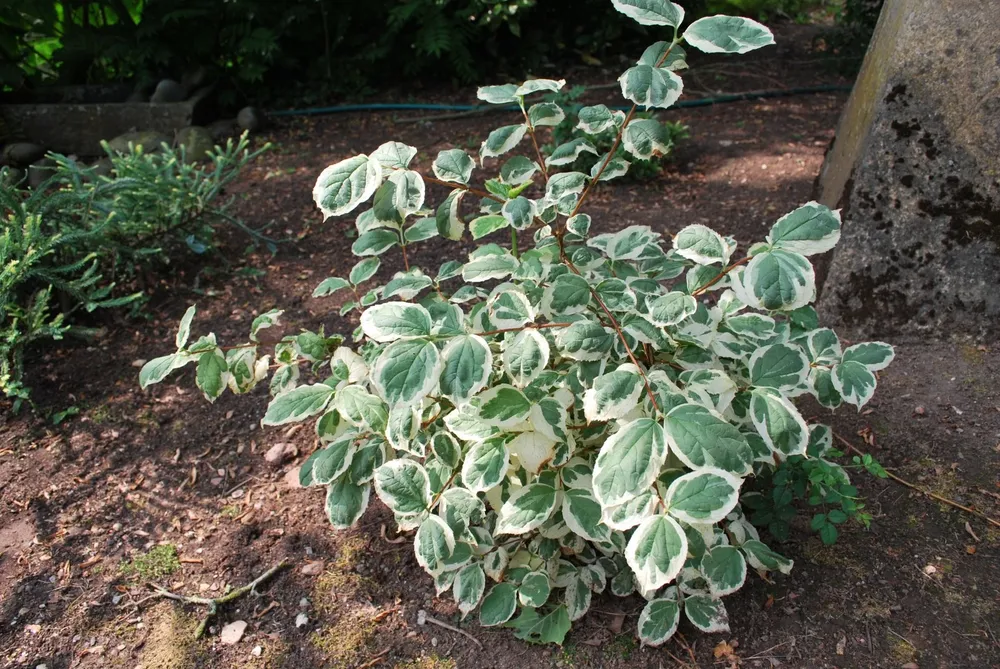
{"type": "Point", "coordinates": [135, 469]}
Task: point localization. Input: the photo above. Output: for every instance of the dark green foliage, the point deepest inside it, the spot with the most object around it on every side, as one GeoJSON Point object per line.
{"type": "Point", "coordinates": [817, 482]}
{"type": "Point", "coordinates": [306, 48]}
{"type": "Point", "coordinates": [83, 242]}
{"type": "Point", "coordinates": [855, 25]}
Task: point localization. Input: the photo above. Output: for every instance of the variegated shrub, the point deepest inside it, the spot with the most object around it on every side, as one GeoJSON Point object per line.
{"type": "Point", "coordinates": [577, 415]}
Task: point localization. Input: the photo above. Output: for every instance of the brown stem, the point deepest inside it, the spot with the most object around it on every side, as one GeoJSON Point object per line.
{"type": "Point", "coordinates": [944, 500]}
{"type": "Point", "coordinates": [615, 145]}
{"type": "Point", "coordinates": [720, 276]}
{"type": "Point", "coordinates": [406, 261]}
{"type": "Point", "coordinates": [534, 142]}
{"type": "Point", "coordinates": [469, 189]}
{"type": "Point", "coordinates": [530, 326]}
{"type": "Point", "coordinates": [621, 335]}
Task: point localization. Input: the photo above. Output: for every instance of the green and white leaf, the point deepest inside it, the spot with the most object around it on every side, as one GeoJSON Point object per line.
{"type": "Point", "coordinates": [874, 355]}
{"type": "Point", "coordinates": [672, 308]}
{"type": "Point", "coordinates": [527, 509]}
{"type": "Point", "coordinates": [433, 544]}
{"type": "Point", "coordinates": [703, 497]}
{"type": "Point", "coordinates": [810, 229]}
{"type": "Point", "coordinates": [778, 422]}
{"type": "Point", "coordinates": [727, 34]}
{"type": "Point", "coordinates": [613, 395]}
{"type": "Point", "coordinates": [656, 552]}
{"type": "Point", "coordinates": [346, 502]}
{"type": "Point", "coordinates": [395, 320]}
{"type": "Point", "coordinates": [764, 559]}
{"type": "Point", "coordinates": [644, 138]}
{"type": "Point", "coordinates": [629, 462]}
{"type": "Point", "coordinates": [340, 188]}
{"type": "Point", "coordinates": [724, 570]}
{"type": "Point", "coordinates": [525, 354]}
{"type": "Point", "coordinates": [393, 156]}
{"type": "Point", "coordinates": [701, 245]}
{"type": "Point", "coordinates": [453, 165]}
{"type": "Point", "coordinates": [298, 404]}
{"type": "Point", "coordinates": [485, 465]}
{"type": "Point", "coordinates": [499, 605]}
{"type": "Point", "coordinates": [467, 361]}
{"type": "Point", "coordinates": [582, 514]}
{"type": "Point", "coordinates": [776, 281]}
{"type": "Point", "coordinates": [651, 12]}
{"type": "Point", "coordinates": [566, 154]}
{"type": "Point", "coordinates": [702, 439]}
{"type": "Point", "coordinates": [658, 621]}
{"type": "Point", "coordinates": [403, 486]}
{"type": "Point", "coordinates": [780, 366]}
{"type": "Point", "coordinates": [651, 86]}
{"type": "Point", "coordinates": [854, 382]}
{"type": "Point", "coordinates": [158, 369]}
{"type": "Point", "coordinates": [598, 118]}
{"type": "Point", "coordinates": [545, 114]}
{"type": "Point", "coordinates": [406, 371]}
{"type": "Point", "coordinates": [470, 584]}
{"type": "Point", "coordinates": [502, 140]}
{"type": "Point", "coordinates": [707, 614]}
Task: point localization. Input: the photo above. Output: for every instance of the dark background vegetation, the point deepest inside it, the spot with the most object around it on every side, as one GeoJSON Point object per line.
{"type": "Point", "coordinates": [307, 51]}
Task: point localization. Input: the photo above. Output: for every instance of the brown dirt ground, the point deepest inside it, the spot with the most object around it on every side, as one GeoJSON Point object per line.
{"type": "Point", "coordinates": [921, 588]}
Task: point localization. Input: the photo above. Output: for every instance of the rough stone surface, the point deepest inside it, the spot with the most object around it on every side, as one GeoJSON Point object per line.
{"type": "Point", "coordinates": [197, 142]}
{"type": "Point", "coordinates": [222, 129]}
{"type": "Point", "coordinates": [13, 177]}
{"type": "Point", "coordinates": [22, 153]}
{"type": "Point", "coordinates": [168, 90]}
{"type": "Point", "coordinates": [149, 140]}
{"type": "Point", "coordinates": [40, 171]}
{"type": "Point", "coordinates": [250, 118]}
{"type": "Point", "coordinates": [916, 168]}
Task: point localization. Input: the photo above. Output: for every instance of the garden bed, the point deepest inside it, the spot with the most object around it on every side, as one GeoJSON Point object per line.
{"type": "Point", "coordinates": [135, 469]}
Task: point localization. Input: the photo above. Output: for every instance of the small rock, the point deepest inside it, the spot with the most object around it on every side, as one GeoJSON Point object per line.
{"type": "Point", "coordinates": [279, 452]}
{"type": "Point", "coordinates": [12, 177]}
{"type": "Point", "coordinates": [168, 90]}
{"type": "Point", "coordinates": [147, 140]}
{"type": "Point", "coordinates": [139, 362]}
{"type": "Point", "coordinates": [292, 478]}
{"type": "Point", "coordinates": [304, 603]}
{"type": "Point", "coordinates": [223, 129]}
{"type": "Point", "coordinates": [257, 651]}
{"type": "Point", "coordinates": [313, 568]}
{"type": "Point", "coordinates": [434, 641]}
{"type": "Point", "coordinates": [23, 153]}
{"type": "Point", "coordinates": [920, 411]}
{"type": "Point", "coordinates": [301, 620]}
{"type": "Point", "coordinates": [196, 141]}
{"type": "Point", "coordinates": [250, 118]}
{"type": "Point", "coordinates": [102, 168]}
{"type": "Point", "coordinates": [233, 632]}
{"type": "Point", "coordinates": [195, 78]}
{"type": "Point", "coordinates": [41, 171]}
{"type": "Point", "coordinates": [725, 142]}
{"type": "Point", "coordinates": [421, 617]}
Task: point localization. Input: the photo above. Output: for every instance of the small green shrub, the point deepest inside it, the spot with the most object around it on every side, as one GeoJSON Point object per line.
{"type": "Point", "coordinates": [571, 417]}
{"type": "Point", "coordinates": [159, 562]}
{"type": "Point", "coordinates": [82, 241]}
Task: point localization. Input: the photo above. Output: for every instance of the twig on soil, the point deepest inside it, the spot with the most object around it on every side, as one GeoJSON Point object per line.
{"type": "Point", "coordinates": [909, 643]}
{"type": "Point", "coordinates": [944, 500]}
{"type": "Point", "coordinates": [213, 604]}
{"type": "Point", "coordinates": [422, 616]}
{"type": "Point", "coordinates": [375, 660]}
{"type": "Point", "coordinates": [763, 654]}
